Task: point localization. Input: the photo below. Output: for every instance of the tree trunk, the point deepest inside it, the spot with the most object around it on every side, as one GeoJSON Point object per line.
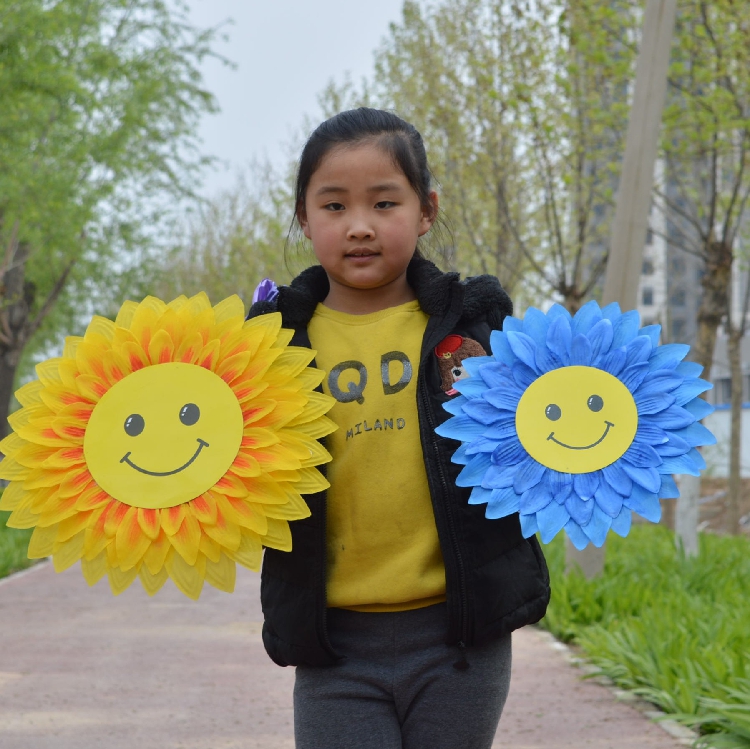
{"type": "Point", "coordinates": [735, 441]}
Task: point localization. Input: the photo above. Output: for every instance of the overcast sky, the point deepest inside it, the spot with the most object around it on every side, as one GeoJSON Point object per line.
{"type": "Point", "coordinates": [286, 52]}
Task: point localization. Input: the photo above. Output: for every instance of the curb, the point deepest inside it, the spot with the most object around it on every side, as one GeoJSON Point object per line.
{"type": "Point", "coordinates": [21, 573]}
{"type": "Point", "coordinates": [681, 733]}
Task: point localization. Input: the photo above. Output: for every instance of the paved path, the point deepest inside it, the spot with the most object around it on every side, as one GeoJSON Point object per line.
{"type": "Point", "coordinates": [80, 669]}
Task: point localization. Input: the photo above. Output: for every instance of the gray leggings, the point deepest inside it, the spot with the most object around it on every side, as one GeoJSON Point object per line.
{"type": "Point", "coordinates": [398, 689]}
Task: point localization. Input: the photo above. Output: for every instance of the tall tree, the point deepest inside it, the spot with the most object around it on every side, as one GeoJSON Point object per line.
{"type": "Point", "coordinates": [101, 99]}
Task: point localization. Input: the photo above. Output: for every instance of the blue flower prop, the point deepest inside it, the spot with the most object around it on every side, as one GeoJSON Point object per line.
{"type": "Point", "coordinates": [524, 452]}
{"type": "Point", "coordinates": [265, 291]}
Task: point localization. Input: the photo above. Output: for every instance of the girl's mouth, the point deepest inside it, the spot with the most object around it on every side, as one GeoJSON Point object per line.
{"type": "Point", "coordinates": [359, 253]}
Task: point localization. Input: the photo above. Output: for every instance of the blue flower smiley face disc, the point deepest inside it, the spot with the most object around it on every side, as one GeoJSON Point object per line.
{"type": "Point", "coordinates": [576, 419]}
{"type": "Point", "coordinates": [576, 422]}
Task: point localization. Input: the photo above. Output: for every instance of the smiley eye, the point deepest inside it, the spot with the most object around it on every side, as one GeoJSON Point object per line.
{"type": "Point", "coordinates": [189, 414]}
{"type": "Point", "coordinates": [553, 412]}
{"type": "Point", "coordinates": [134, 425]}
{"type": "Point", "coordinates": [595, 403]}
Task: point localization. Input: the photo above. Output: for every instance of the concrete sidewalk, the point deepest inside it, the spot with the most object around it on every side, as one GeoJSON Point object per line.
{"type": "Point", "coordinates": [80, 669]}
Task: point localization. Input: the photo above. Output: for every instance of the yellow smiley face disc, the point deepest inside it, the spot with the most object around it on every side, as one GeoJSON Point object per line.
{"type": "Point", "coordinates": [163, 435]}
{"type": "Point", "coordinates": [576, 419]}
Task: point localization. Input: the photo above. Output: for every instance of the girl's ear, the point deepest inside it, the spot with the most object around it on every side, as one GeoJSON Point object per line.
{"type": "Point", "coordinates": [302, 221]}
{"type": "Point", "coordinates": [429, 214]}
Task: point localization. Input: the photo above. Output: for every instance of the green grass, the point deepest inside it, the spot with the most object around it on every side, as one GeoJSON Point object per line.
{"type": "Point", "coordinates": [675, 630]}
{"type": "Point", "coordinates": [13, 545]}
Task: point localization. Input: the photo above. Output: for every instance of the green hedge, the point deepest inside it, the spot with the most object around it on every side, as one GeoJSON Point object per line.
{"type": "Point", "coordinates": [675, 630]}
{"type": "Point", "coordinates": [13, 545]}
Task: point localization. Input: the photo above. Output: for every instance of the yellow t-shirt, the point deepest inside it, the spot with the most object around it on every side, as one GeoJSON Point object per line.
{"type": "Point", "coordinates": [383, 548]}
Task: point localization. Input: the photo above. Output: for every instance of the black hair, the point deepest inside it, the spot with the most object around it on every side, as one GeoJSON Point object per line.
{"type": "Point", "coordinates": [400, 139]}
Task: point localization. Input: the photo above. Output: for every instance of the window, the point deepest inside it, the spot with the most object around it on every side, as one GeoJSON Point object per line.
{"type": "Point", "coordinates": [723, 390]}
{"type": "Point", "coordinates": [678, 298]}
{"type": "Point", "coordinates": [647, 296]}
{"type": "Point", "coordinates": [678, 265]}
{"type": "Point", "coordinates": [648, 267]}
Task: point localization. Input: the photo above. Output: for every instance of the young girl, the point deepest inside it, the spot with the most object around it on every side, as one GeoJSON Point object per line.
{"type": "Point", "coordinates": [397, 601]}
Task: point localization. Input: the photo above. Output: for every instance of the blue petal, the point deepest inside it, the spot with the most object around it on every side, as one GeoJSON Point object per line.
{"type": "Point", "coordinates": [626, 329]}
{"type": "Point", "coordinates": [551, 520]}
{"type": "Point", "coordinates": [511, 453]}
{"type": "Point", "coordinates": [691, 463]}
{"type": "Point", "coordinates": [597, 528]}
{"type": "Point", "coordinates": [579, 509]}
{"type": "Point", "coordinates": [608, 500]}
{"type": "Point", "coordinates": [676, 445]}
{"type": "Point", "coordinates": [585, 484]}
{"type": "Point", "coordinates": [586, 318]}
{"type": "Point", "coordinates": [644, 503]}
{"type": "Point", "coordinates": [499, 477]}
{"type": "Point", "coordinates": [621, 524]}
{"type": "Point", "coordinates": [577, 537]}
{"type": "Point", "coordinates": [559, 484]}
{"type": "Point", "coordinates": [474, 363]}
{"type": "Point", "coordinates": [534, 500]}
{"type": "Point", "coordinates": [600, 337]}
{"type": "Point", "coordinates": [653, 404]}
{"type": "Point", "coordinates": [528, 475]}
{"type": "Point", "coordinates": [501, 349]}
{"type": "Point", "coordinates": [502, 430]}
{"type": "Point", "coordinates": [503, 502]}
{"type": "Point", "coordinates": [557, 310]}
{"type": "Point", "coordinates": [523, 375]}
{"type": "Point", "coordinates": [496, 375]}
{"type": "Point", "coordinates": [689, 369]}
{"type": "Point", "coordinates": [546, 361]}
{"type": "Point", "coordinates": [616, 477]}
{"type": "Point", "coordinates": [481, 445]}
{"type": "Point", "coordinates": [650, 434]}
{"type": "Point", "coordinates": [668, 356]}
{"type": "Point", "coordinates": [480, 410]}
{"type": "Point", "coordinates": [524, 348]}
{"type": "Point", "coordinates": [638, 350]}
{"type": "Point", "coordinates": [473, 473]}
{"type": "Point", "coordinates": [696, 435]}
{"type": "Point", "coordinates": [460, 428]}
{"type": "Point", "coordinates": [512, 324]}
{"type": "Point", "coordinates": [614, 361]}
{"type": "Point", "coordinates": [479, 496]}
{"type": "Point", "coordinates": [559, 337]}
{"type": "Point", "coordinates": [611, 311]}
{"type": "Point", "coordinates": [529, 525]}
{"type": "Point", "coordinates": [672, 418]}
{"type": "Point", "coordinates": [653, 332]}
{"type": "Point", "coordinates": [668, 488]}
{"type": "Point", "coordinates": [505, 399]}
{"type": "Point", "coordinates": [455, 405]}
{"type": "Point", "coordinates": [460, 457]}
{"type": "Point", "coordinates": [642, 456]}
{"type": "Point", "coordinates": [535, 325]}
{"type": "Point", "coordinates": [660, 382]}
{"type": "Point", "coordinates": [648, 477]}
{"type": "Point", "coordinates": [580, 351]}
{"type": "Point", "coordinates": [634, 375]}
{"type": "Point", "coordinates": [471, 387]}
{"type": "Point", "coordinates": [690, 389]}
{"type": "Point", "coordinates": [699, 408]}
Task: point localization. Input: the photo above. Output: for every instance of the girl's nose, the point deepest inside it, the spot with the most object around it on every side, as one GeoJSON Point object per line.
{"type": "Point", "coordinates": [360, 228]}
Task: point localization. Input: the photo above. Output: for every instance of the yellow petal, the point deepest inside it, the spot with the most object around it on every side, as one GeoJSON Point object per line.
{"type": "Point", "coordinates": [226, 530]}
{"type": "Point", "coordinates": [311, 481]}
{"type": "Point", "coordinates": [150, 522]}
{"type": "Point", "coordinates": [66, 554]}
{"type": "Point", "coordinates": [290, 362]}
{"type": "Point", "coordinates": [125, 315]}
{"type": "Point", "coordinates": [152, 583]}
{"type": "Point", "coordinates": [157, 553]}
{"type": "Point", "coordinates": [209, 548]}
{"type": "Point", "coordinates": [42, 542]}
{"type": "Point", "coordinates": [279, 536]}
{"type": "Point", "coordinates": [188, 578]}
{"type": "Point", "coordinates": [318, 404]}
{"type": "Point", "coordinates": [22, 517]}
{"type": "Point", "coordinates": [250, 552]}
{"type": "Point", "coordinates": [73, 525]}
{"type": "Point", "coordinates": [221, 574]}
{"type": "Point", "coordinates": [12, 445]}
{"type": "Point", "coordinates": [94, 569]}
{"type": "Point", "coordinates": [130, 541]}
{"type": "Point", "coordinates": [12, 470]}
{"type": "Point", "coordinates": [120, 580]}
{"type": "Point", "coordinates": [187, 539]}
{"type": "Point", "coordinates": [249, 515]}
{"type": "Point", "coordinates": [102, 327]}
{"type": "Point", "coordinates": [171, 519]}
{"type": "Point", "coordinates": [204, 509]}
{"type": "Point", "coordinates": [295, 509]}
{"type": "Point", "coordinates": [229, 308]}
{"type": "Point", "coordinates": [30, 394]}
{"type": "Point", "coordinates": [316, 428]}
{"type": "Point", "coordinates": [13, 495]}
{"type": "Point", "coordinates": [161, 348]}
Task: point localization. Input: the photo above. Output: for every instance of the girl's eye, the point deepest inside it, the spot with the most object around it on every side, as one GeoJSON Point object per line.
{"type": "Point", "coordinates": [334, 207]}
{"type": "Point", "coordinates": [385, 204]}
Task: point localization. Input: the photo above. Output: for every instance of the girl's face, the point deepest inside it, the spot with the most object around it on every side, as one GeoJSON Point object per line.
{"type": "Point", "coordinates": [364, 219]}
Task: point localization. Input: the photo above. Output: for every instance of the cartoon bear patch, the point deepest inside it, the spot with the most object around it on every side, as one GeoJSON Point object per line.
{"type": "Point", "coordinates": [451, 352]}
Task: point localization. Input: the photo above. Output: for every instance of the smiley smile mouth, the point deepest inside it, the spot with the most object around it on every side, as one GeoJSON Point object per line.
{"type": "Point", "coordinates": [126, 459]}
{"type": "Point", "coordinates": [586, 447]}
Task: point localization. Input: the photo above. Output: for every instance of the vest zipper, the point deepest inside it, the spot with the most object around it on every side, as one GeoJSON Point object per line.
{"type": "Point", "coordinates": [463, 601]}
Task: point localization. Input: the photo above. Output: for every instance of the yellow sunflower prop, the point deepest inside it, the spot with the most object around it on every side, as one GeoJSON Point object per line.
{"type": "Point", "coordinates": [173, 442]}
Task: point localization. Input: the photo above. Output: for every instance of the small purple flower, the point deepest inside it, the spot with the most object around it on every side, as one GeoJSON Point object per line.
{"type": "Point", "coordinates": [266, 291]}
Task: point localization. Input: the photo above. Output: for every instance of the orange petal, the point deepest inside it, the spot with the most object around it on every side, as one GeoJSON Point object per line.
{"type": "Point", "coordinates": [75, 483]}
{"type": "Point", "coordinates": [56, 510]}
{"type": "Point", "coordinates": [130, 541]}
{"type": "Point", "coordinates": [189, 349]}
{"type": "Point", "coordinates": [96, 538]}
{"type": "Point", "coordinates": [204, 508]}
{"type": "Point", "coordinates": [91, 498]}
{"type": "Point", "coordinates": [245, 465]}
{"type": "Point", "coordinates": [115, 518]}
{"type": "Point", "coordinates": [67, 457]}
{"type": "Point", "coordinates": [231, 368]}
{"type": "Point", "coordinates": [187, 539]}
{"type": "Point", "coordinates": [161, 348]}
{"type": "Point", "coordinates": [209, 356]}
{"type": "Point", "coordinates": [171, 519]}
{"type": "Point", "coordinates": [135, 356]}
{"type": "Point", "coordinates": [150, 522]}
{"type": "Point", "coordinates": [230, 485]}
{"type": "Point", "coordinates": [249, 516]}
{"type": "Point", "coordinates": [156, 553]}
{"type": "Point", "coordinates": [225, 531]}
